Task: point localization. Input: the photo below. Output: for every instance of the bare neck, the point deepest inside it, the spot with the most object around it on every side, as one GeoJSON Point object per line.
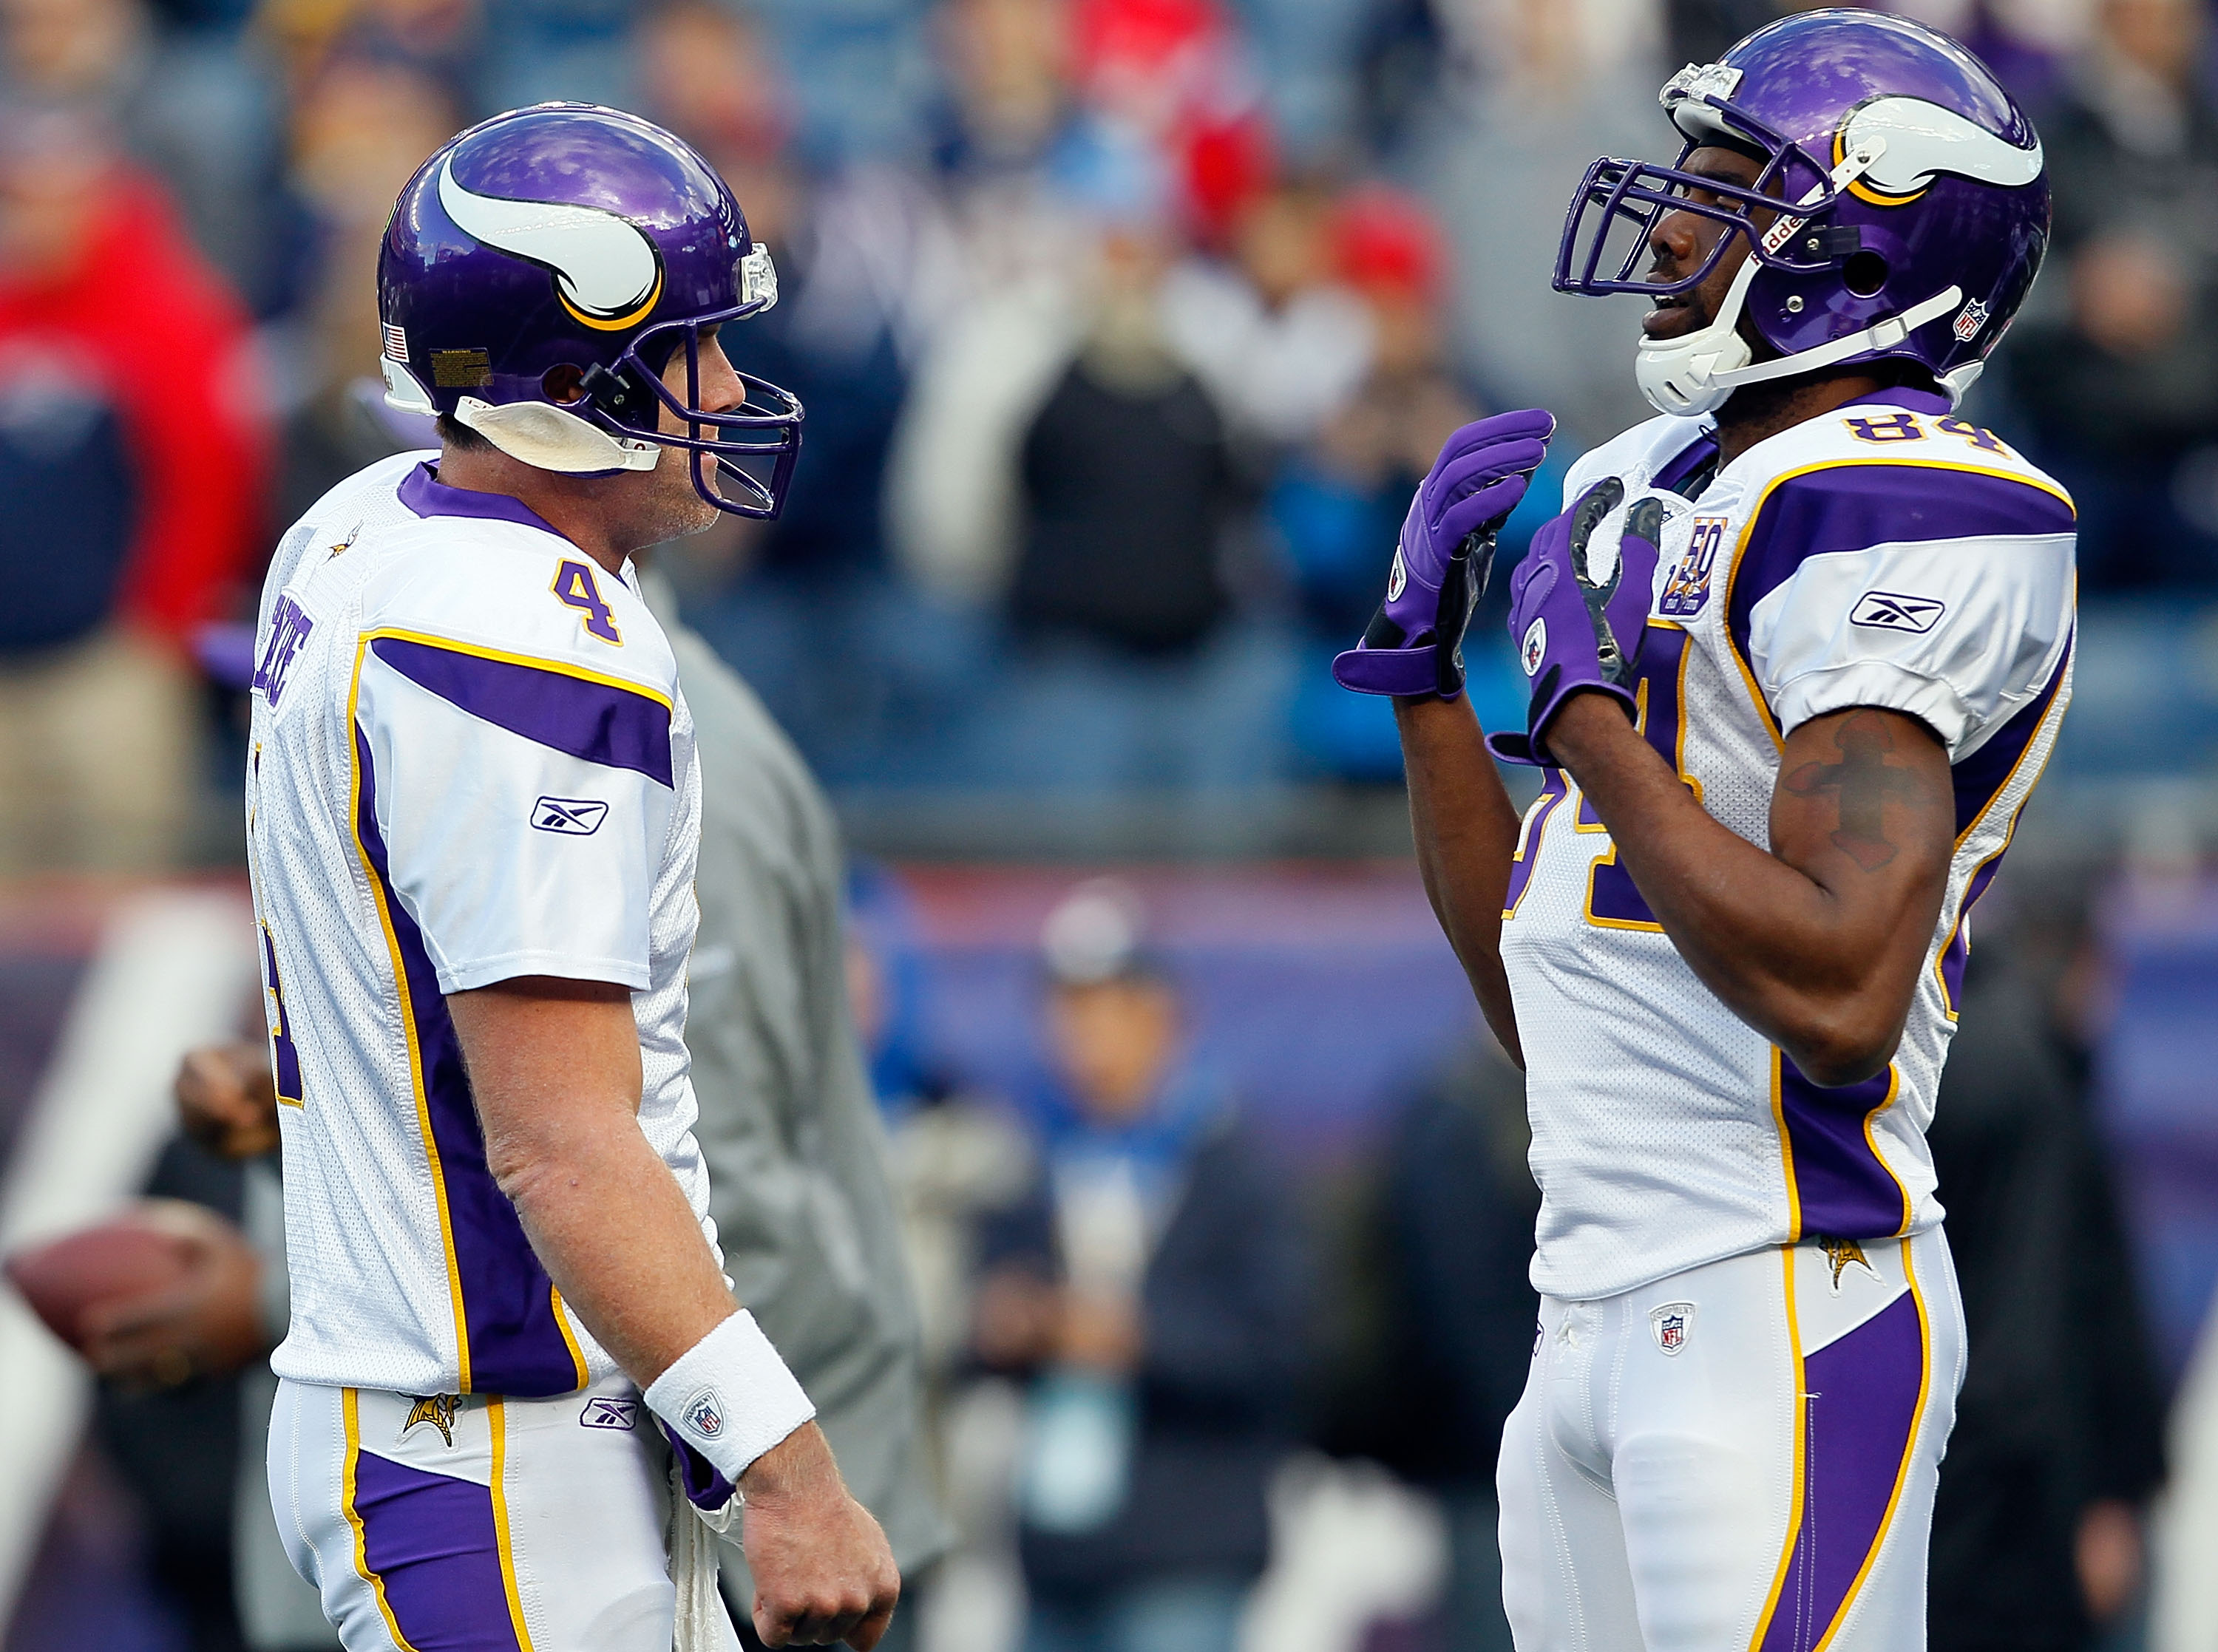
{"type": "Point", "coordinates": [576, 507]}
{"type": "Point", "coordinates": [1755, 411]}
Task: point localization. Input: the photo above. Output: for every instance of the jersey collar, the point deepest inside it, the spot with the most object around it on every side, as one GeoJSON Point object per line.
{"type": "Point", "coordinates": [422, 492]}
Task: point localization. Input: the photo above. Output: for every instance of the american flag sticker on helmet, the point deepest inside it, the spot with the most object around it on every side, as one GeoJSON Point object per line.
{"type": "Point", "coordinates": [396, 342]}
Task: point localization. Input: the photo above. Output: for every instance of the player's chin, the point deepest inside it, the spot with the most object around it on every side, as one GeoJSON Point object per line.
{"type": "Point", "coordinates": [685, 508]}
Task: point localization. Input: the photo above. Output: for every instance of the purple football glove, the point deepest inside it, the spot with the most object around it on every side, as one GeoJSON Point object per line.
{"type": "Point", "coordinates": [1414, 643]}
{"type": "Point", "coordinates": [1578, 608]}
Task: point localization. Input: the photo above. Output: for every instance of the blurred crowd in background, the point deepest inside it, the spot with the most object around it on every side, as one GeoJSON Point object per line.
{"type": "Point", "coordinates": [1124, 329]}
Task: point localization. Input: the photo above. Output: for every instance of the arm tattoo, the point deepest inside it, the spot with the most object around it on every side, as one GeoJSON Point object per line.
{"type": "Point", "coordinates": [1863, 781]}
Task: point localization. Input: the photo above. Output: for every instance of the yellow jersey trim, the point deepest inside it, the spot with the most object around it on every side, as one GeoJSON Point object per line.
{"type": "Point", "coordinates": [535, 662]}
{"type": "Point", "coordinates": [407, 1015]}
{"type": "Point", "coordinates": [497, 1418]}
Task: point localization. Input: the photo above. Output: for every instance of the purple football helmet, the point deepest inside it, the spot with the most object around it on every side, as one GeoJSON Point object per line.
{"type": "Point", "coordinates": [1919, 211]}
{"type": "Point", "coordinates": [566, 235]}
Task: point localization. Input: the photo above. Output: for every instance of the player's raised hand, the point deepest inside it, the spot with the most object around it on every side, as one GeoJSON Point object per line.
{"type": "Point", "coordinates": [1578, 608]}
{"type": "Point", "coordinates": [1414, 643]}
{"type": "Point", "coordinates": [226, 1099]}
{"type": "Point", "coordinates": [822, 1571]}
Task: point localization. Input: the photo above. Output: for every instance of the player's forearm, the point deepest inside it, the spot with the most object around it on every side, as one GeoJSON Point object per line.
{"type": "Point", "coordinates": [1813, 973]}
{"type": "Point", "coordinates": [613, 1229]}
{"type": "Point", "coordinates": [1466, 829]}
{"type": "Point", "coordinates": [555, 1072]}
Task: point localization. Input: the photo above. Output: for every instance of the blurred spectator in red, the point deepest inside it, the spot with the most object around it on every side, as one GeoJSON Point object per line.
{"type": "Point", "coordinates": [359, 129]}
{"type": "Point", "coordinates": [1155, 1290]}
{"type": "Point", "coordinates": [865, 261]}
{"type": "Point", "coordinates": [1062, 463]}
{"type": "Point", "coordinates": [1535, 84]}
{"type": "Point", "coordinates": [196, 110]}
{"type": "Point", "coordinates": [1338, 501]}
{"type": "Point", "coordinates": [1177, 74]}
{"type": "Point", "coordinates": [2117, 367]}
{"type": "Point", "coordinates": [1277, 337]}
{"type": "Point", "coordinates": [132, 458]}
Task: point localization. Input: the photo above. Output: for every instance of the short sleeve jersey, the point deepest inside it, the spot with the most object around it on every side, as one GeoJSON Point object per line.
{"type": "Point", "coordinates": [470, 761]}
{"type": "Point", "coordinates": [1884, 554]}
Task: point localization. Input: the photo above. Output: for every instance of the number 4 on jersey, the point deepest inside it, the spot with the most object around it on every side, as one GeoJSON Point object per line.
{"type": "Point", "coordinates": [576, 587]}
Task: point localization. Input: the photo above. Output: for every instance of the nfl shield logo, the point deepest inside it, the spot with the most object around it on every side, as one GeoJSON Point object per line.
{"type": "Point", "coordinates": [705, 1413]}
{"type": "Point", "coordinates": [1534, 648]}
{"type": "Point", "coordinates": [1969, 320]}
{"type": "Point", "coordinates": [1671, 1322]}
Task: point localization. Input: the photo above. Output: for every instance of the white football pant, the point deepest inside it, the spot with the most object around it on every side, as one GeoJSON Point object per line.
{"type": "Point", "coordinates": [478, 1523]}
{"type": "Point", "coordinates": [1737, 1458]}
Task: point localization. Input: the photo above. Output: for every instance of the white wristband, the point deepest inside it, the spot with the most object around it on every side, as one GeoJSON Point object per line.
{"type": "Point", "coordinates": [730, 1397]}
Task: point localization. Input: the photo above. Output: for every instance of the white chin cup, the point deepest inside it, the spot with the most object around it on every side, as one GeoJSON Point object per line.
{"type": "Point", "coordinates": [542, 435]}
{"type": "Point", "coordinates": [1686, 375]}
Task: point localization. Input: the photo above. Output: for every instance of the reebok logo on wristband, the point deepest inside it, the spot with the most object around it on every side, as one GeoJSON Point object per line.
{"type": "Point", "coordinates": [705, 1413]}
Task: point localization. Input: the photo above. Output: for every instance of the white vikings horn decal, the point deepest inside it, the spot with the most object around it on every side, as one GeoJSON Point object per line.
{"type": "Point", "coordinates": [1922, 141]}
{"type": "Point", "coordinates": [606, 271]}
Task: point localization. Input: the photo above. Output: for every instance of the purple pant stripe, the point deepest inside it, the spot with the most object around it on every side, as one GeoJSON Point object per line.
{"type": "Point", "coordinates": [1858, 1419]}
{"type": "Point", "coordinates": [516, 1344]}
{"type": "Point", "coordinates": [431, 1543]}
{"type": "Point", "coordinates": [1843, 1188]}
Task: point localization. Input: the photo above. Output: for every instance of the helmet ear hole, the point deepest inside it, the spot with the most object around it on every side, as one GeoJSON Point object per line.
{"type": "Point", "coordinates": [1865, 274]}
{"type": "Point", "coordinates": [562, 383]}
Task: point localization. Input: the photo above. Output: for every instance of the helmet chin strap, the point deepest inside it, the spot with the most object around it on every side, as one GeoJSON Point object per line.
{"type": "Point", "coordinates": [1694, 374]}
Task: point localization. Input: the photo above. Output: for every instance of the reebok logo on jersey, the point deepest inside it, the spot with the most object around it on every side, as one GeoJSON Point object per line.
{"type": "Point", "coordinates": [1671, 1323]}
{"type": "Point", "coordinates": [705, 1413]}
{"type": "Point", "coordinates": [604, 1413]}
{"type": "Point", "coordinates": [577, 817]}
{"type": "Point", "coordinates": [1886, 611]}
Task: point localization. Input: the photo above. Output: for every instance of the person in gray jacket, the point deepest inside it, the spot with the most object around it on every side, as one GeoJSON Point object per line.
{"type": "Point", "coordinates": [788, 1125]}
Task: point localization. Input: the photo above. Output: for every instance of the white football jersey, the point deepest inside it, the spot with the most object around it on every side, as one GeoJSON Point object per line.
{"type": "Point", "coordinates": [470, 761]}
{"type": "Point", "coordinates": [1883, 555]}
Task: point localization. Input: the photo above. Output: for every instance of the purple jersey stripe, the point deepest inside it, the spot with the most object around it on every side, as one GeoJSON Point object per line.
{"type": "Point", "coordinates": [516, 1345]}
{"type": "Point", "coordinates": [431, 1542]}
{"type": "Point", "coordinates": [1852, 506]}
{"type": "Point", "coordinates": [583, 716]}
{"type": "Point", "coordinates": [1858, 1419]}
{"type": "Point", "coordinates": [1840, 1186]}
{"type": "Point", "coordinates": [422, 492]}
{"type": "Point", "coordinates": [1981, 778]}
{"type": "Point", "coordinates": [285, 1054]}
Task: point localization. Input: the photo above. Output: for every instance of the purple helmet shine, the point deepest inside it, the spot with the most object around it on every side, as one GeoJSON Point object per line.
{"type": "Point", "coordinates": [1920, 209]}
{"type": "Point", "coordinates": [570, 235]}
